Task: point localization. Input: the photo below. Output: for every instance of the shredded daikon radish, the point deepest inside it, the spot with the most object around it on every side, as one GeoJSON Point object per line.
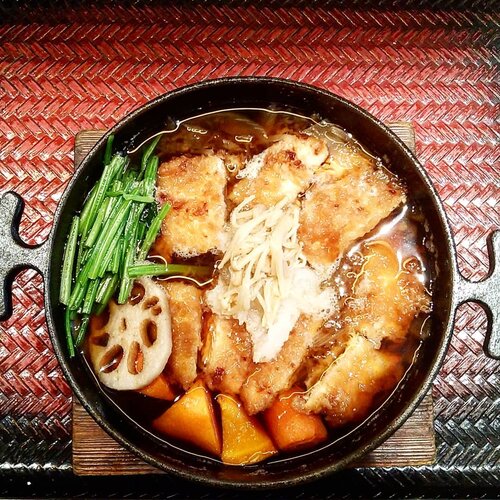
{"type": "Point", "coordinates": [266, 283]}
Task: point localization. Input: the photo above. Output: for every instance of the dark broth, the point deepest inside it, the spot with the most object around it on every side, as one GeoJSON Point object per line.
{"type": "Point", "coordinates": [244, 133]}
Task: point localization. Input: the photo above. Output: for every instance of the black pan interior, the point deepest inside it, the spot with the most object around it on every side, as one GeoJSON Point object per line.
{"type": "Point", "coordinates": [279, 94]}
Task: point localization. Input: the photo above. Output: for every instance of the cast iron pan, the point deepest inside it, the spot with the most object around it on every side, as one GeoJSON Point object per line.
{"type": "Point", "coordinates": [450, 288]}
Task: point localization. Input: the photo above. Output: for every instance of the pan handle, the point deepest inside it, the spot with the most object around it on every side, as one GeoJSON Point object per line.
{"type": "Point", "coordinates": [486, 293]}
{"type": "Point", "coordinates": [14, 253]}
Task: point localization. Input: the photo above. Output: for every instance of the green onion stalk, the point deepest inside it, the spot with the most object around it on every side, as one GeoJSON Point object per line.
{"type": "Point", "coordinates": [109, 240]}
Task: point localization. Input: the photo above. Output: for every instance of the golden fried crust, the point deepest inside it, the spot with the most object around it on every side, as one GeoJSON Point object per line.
{"type": "Point", "coordinates": [286, 170]}
{"type": "Point", "coordinates": [385, 299]}
{"type": "Point", "coordinates": [186, 314]}
{"type": "Point", "coordinates": [384, 302]}
{"type": "Point", "coordinates": [346, 390]}
{"type": "Point", "coordinates": [344, 203]}
{"type": "Point", "coordinates": [329, 344]}
{"type": "Point", "coordinates": [194, 186]}
{"type": "Point", "coordinates": [226, 355]}
{"type": "Point", "coordinates": [269, 379]}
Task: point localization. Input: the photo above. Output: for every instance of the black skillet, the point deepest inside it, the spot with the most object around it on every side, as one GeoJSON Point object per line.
{"type": "Point", "coordinates": [450, 288]}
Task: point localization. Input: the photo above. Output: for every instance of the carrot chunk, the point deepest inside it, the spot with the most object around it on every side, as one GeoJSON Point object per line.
{"type": "Point", "coordinates": [159, 388]}
{"type": "Point", "coordinates": [192, 419]}
{"type": "Point", "coordinates": [290, 429]}
{"type": "Point", "coordinates": [244, 440]}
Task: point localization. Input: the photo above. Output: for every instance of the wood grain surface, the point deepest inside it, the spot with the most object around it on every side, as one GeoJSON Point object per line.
{"type": "Point", "coordinates": [97, 453]}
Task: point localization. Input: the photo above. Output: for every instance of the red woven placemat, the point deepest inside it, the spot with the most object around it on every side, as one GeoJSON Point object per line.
{"type": "Point", "coordinates": [436, 69]}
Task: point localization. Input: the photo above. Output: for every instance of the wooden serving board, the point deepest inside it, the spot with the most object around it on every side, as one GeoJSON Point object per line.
{"type": "Point", "coordinates": [97, 453]}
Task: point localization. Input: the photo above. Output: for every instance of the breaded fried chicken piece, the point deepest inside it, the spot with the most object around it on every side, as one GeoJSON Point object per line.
{"type": "Point", "coordinates": [347, 199]}
{"type": "Point", "coordinates": [226, 354]}
{"type": "Point", "coordinates": [186, 315]}
{"type": "Point", "coordinates": [194, 186]}
{"type": "Point", "coordinates": [282, 170]}
{"type": "Point", "coordinates": [268, 379]}
{"type": "Point", "coordinates": [385, 299]}
{"type": "Point", "coordinates": [346, 390]}
{"type": "Point", "coordinates": [384, 302]}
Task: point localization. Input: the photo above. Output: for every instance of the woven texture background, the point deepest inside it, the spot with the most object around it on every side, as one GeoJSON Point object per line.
{"type": "Point", "coordinates": [68, 68]}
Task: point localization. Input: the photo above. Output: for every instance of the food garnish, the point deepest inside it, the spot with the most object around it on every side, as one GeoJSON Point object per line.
{"type": "Point", "coordinates": [115, 230]}
{"type": "Point", "coordinates": [130, 343]}
{"type": "Point", "coordinates": [267, 283]}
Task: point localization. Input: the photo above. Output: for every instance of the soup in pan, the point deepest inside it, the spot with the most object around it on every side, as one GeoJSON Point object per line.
{"type": "Point", "coordinates": [250, 283]}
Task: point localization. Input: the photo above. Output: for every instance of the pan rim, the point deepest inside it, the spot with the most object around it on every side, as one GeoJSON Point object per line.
{"type": "Point", "coordinates": [319, 472]}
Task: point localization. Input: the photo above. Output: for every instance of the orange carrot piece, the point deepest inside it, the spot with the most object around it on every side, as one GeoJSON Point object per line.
{"type": "Point", "coordinates": [159, 388]}
{"type": "Point", "coordinates": [290, 429]}
{"type": "Point", "coordinates": [244, 440]}
{"type": "Point", "coordinates": [192, 418]}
